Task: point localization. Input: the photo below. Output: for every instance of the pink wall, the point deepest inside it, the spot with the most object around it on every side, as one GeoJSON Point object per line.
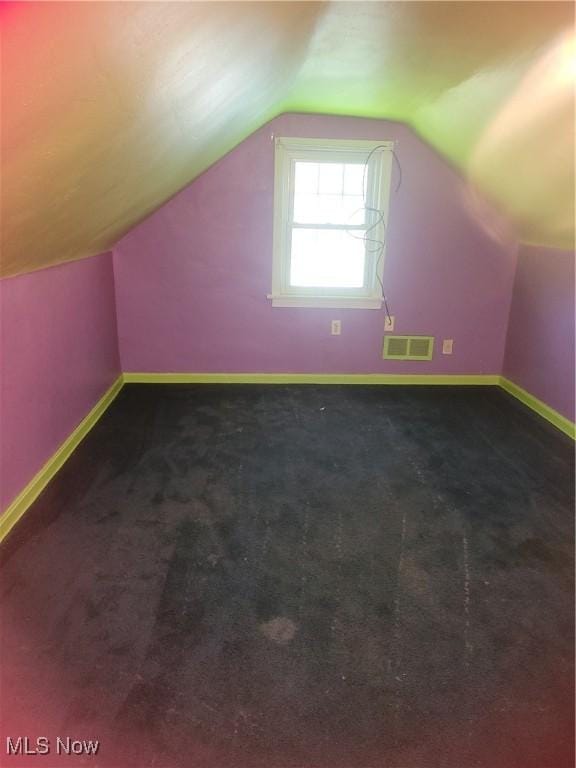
{"type": "Point", "coordinates": [59, 355]}
{"type": "Point", "coordinates": [192, 279]}
{"type": "Point", "coordinates": [540, 346]}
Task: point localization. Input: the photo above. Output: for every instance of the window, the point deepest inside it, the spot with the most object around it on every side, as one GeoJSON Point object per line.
{"type": "Point", "coordinates": [330, 221]}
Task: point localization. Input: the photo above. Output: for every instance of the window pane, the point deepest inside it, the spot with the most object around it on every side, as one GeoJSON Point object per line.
{"type": "Point", "coordinates": [328, 193]}
{"type": "Point", "coordinates": [354, 177]}
{"type": "Point", "coordinates": [325, 258]}
{"type": "Point", "coordinates": [331, 181]}
{"type": "Point", "coordinates": [328, 209]}
{"type": "Point", "coordinates": [306, 178]}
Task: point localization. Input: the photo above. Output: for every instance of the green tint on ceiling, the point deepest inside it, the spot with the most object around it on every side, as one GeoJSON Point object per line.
{"type": "Point", "coordinates": [108, 109]}
{"type": "Point", "coordinates": [451, 70]}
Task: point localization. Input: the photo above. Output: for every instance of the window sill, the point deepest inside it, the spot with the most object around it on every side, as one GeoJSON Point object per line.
{"type": "Point", "coordinates": [327, 302]}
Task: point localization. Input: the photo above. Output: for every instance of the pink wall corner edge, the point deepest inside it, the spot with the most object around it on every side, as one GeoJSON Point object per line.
{"type": "Point", "coordinates": [541, 339]}
{"type": "Point", "coordinates": [192, 278]}
{"type": "Point", "coordinates": [60, 354]}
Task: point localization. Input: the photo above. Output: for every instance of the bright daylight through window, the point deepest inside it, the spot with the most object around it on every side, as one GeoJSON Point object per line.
{"type": "Point", "coordinates": [330, 222]}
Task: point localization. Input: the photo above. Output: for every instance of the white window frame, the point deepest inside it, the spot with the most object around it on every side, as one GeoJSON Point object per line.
{"type": "Point", "coordinates": [287, 152]}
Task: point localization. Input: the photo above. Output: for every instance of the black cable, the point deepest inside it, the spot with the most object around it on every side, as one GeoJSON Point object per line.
{"type": "Point", "coordinates": [380, 244]}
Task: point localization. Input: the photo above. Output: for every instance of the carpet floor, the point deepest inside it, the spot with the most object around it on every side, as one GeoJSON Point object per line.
{"type": "Point", "coordinates": [298, 577]}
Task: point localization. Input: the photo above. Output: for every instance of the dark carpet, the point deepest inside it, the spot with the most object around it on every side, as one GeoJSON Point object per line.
{"type": "Point", "coordinates": [298, 577]}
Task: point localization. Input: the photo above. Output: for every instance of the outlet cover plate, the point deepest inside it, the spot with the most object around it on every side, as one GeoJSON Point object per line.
{"type": "Point", "coordinates": [447, 346]}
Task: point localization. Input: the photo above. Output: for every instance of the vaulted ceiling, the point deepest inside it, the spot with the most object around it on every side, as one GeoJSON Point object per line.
{"type": "Point", "coordinates": [109, 108]}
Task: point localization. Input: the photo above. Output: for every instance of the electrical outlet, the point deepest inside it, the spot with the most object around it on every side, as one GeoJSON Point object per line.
{"type": "Point", "coordinates": [447, 346]}
{"type": "Point", "coordinates": [336, 328]}
{"type": "Point", "coordinates": [389, 323]}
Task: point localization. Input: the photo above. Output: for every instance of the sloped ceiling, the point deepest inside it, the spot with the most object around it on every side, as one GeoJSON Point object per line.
{"type": "Point", "coordinates": [109, 108]}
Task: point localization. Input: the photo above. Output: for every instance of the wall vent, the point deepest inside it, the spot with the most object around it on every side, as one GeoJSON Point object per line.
{"type": "Point", "coordinates": [408, 347]}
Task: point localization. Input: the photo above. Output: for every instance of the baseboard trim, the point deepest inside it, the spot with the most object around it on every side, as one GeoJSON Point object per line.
{"type": "Point", "coordinates": [41, 479]}
{"type": "Point", "coordinates": [536, 405]}
{"type": "Point", "coordinates": [308, 378]}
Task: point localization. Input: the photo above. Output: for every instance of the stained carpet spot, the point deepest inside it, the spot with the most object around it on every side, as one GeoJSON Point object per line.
{"type": "Point", "coordinates": [279, 630]}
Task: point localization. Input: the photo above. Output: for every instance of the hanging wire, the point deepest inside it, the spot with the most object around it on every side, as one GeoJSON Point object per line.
{"type": "Point", "coordinates": [378, 244]}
